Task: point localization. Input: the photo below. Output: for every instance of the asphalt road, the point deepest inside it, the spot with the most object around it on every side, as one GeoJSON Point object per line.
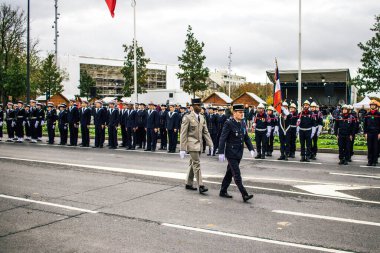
{"type": "Point", "coordinates": [65, 199]}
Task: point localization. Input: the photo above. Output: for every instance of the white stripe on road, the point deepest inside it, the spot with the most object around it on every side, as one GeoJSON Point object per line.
{"type": "Point", "coordinates": [365, 166]}
{"type": "Point", "coordinates": [181, 176]}
{"type": "Point", "coordinates": [281, 161]}
{"type": "Point", "coordinates": [355, 175]}
{"type": "Point", "coordinates": [47, 204]}
{"type": "Point", "coordinates": [253, 238]}
{"type": "Point", "coordinates": [328, 218]}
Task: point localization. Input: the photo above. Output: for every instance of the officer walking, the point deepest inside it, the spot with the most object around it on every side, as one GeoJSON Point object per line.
{"type": "Point", "coordinates": [306, 130]}
{"type": "Point", "coordinates": [131, 127]}
{"type": "Point", "coordinates": [262, 131]}
{"type": "Point", "coordinates": [163, 133]}
{"type": "Point", "coordinates": [193, 128]}
{"type": "Point", "coordinates": [85, 121]}
{"type": "Point", "coordinates": [231, 146]}
{"type": "Point", "coordinates": [172, 127]}
{"type": "Point", "coordinates": [51, 118]}
{"type": "Point", "coordinates": [152, 126]}
{"type": "Point", "coordinates": [63, 124]}
{"type": "Point", "coordinates": [112, 124]}
{"type": "Point", "coordinates": [100, 118]}
{"type": "Point", "coordinates": [343, 129]}
{"type": "Point", "coordinates": [372, 132]}
{"type": "Point", "coordinates": [73, 118]}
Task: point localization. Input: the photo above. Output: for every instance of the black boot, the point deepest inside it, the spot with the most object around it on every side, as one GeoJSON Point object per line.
{"type": "Point", "coordinates": [202, 189]}
{"type": "Point", "coordinates": [282, 157]}
{"type": "Point", "coordinates": [341, 162]}
{"type": "Point", "coordinates": [307, 159]}
{"type": "Point", "coordinates": [258, 156]}
{"type": "Point", "coordinates": [247, 197]}
{"type": "Point", "coordinates": [225, 195]}
{"type": "Point", "coordinates": [302, 159]}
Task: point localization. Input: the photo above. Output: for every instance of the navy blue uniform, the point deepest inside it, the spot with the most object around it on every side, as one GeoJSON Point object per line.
{"type": "Point", "coordinates": [141, 132]}
{"type": "Point", "coordinates": [73, 119]}
{"type": "Point", "coordinates": [63, 126]}
{"type": "Point", "coordinates": [232, 139]}
{"type": "Point", "coordinates": [20, 119]}
{"type": "Point", "coordinates": [85, 121]}
{"type": "Point", "coordinates": [112, 124]}
{"type": "Point", "coordinates": [306, 123]}
{"type": "Point", "coordinates": [343, 129]}
{"type": "Point", "coordinates": [163, 132]}
{"type": "Point", "coordinates": [356, 125]}
{"type": "Point", "coordinates": [292, 134]}
{"type": "Point", "coordinates": [100, 118]}
{"type": "Point", "coordinates": [221, 120]}
{"type": "Point", "coordinates": [284, 129]}
{"type": "Point", "coordinates": [51, 118]}
{"type": "Point", "coordinates": [318, 121]}
{"type": "Point", "coordinates": [33, 119]}
{"type": "Point", "coordinates": [212, 126]}
{"type": "Point", "coordinates": [1, 122]}
{"type": "Point", "coordinates": [261, 121]}
{"type": "Point", "coordinates": [130, 126]}
{"type": "Point", "coordinates": [41, 121]}
{"type": "Point", "coordinates": [272, 122]}
{"type": "Point", "coordinates": [152, 124]}
{"type": "Point", "coordinates": [28, 129]}
{"type": "Point", "coordinates": [172, 126]}
{"type": "Point", "coordinates": [122, 114]}
{"type": "Point", "coordinates": [372, 130]}
{"type": "Point", "coordinates": [10, 117]}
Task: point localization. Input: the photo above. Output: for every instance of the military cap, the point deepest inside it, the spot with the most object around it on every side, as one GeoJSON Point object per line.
{"type": "Point", "coordinates": [99, 101]}
{"type": "Point", "coordinates": [260, 106]}
{"type": "Point", "coordinates": [306, 102]}
{"type": "Point", "coordinates": [313, 104]}
{"type": "Point", "coordinates": [50, 105]}
{"type": "Point", "coordinates": [221, 109]}
{"type": "Point", "coordinates": [238, 107]}
{"type": "Point", "coordinates": [163, 105]}
{"type": "Point", "coordinates": [39, 104]}
{"type": "Point", "coordinates": [293, 105]}
{"type": "Point", "coordinates": [142, 104]}
{"type": "Point", "coordinates": [10, 103]}
{"type": "Point", "coordinates": [27, 105]}
{"type": "Point", "coordinates": [20, 102]}
{"type": "Point", "coordinates": [345, 107]}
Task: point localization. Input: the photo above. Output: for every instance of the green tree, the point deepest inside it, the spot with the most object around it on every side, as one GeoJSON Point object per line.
{"type": "Point", "coordinates": [50, 77]}
{"type": "Point", "coordinates": [15, 80]}
{"type": "Point", "coordinates": [193, 74]}
{"type": "Point", "coordinates": [12, 48]}
{"type": "Point", "coordinates": [128, 70]}
{"type": "Point", "coordinates": [86, 82]}
{"type": "Point", "coordinates": [368, 79]}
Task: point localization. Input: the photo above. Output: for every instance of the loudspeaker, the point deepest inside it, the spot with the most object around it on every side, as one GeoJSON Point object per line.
{"type": "Point", "coordinates": [93, 92]}
{"type": "Point", "coordinates": [329, 90]}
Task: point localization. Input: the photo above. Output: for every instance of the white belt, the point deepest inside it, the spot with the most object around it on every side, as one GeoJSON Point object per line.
{"type": "Point", "coordinates": [305, 129]}
{"type": "Point", "coordinates": [261, 130]}
{"type": "Point", "coordinates": [293, 126]}
{"type": "Point", "coordinates": [20, 117]}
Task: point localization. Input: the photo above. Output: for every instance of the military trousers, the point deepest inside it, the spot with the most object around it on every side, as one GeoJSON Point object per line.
{"type": "Point", "coordinates": [372, 145]}
{"type": "Point", "coordinates": [261, 141]}
{"type": "Point", "coordinates": [305, 141]}
{"type": "Point", "coordinates": [233, 170]}
{"type": "Point", "coordinates": [344, 144]}
{"type": "Point", "coordinates": [194, 169]}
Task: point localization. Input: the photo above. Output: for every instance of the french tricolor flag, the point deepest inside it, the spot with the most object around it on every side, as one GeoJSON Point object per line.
{"type": "Point", "coordinates": [111, 6]}
{"type": "Point", "coordinates": [277, 99]}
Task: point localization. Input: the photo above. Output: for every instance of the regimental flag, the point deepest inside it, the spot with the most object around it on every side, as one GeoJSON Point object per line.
{"type": "Point", "coordinates": [111, 6]}
{"type": "Point", "coordinates": [277, 99]}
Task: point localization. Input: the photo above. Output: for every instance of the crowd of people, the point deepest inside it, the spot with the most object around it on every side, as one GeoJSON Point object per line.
{"type": "Point", "coordinates": [142, 125]}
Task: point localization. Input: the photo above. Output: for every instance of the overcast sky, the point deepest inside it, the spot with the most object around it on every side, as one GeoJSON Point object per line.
{"type": "Point", "coordinates": [257, 31]}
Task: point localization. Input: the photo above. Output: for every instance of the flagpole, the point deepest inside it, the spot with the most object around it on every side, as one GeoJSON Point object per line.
{"type": "Point", "coordinates": [134, 52]}
{"type": "Point", "coordinates": [299, 62]}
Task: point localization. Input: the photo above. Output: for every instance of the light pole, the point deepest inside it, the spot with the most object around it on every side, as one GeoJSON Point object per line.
{"type": "Point", "coordinates": [134, 51]}
{"type": "Point", "coordinates": [28, 55]}
{"type": "Point", "coordinates": [299, 62]}
{"type": "Point", "coordinates": [229, 72]}
{"type": "Point", "coordinates": [56, 31]}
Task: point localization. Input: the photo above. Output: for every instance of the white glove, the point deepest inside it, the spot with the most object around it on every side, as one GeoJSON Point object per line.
{"type": "Point", "coordinates": [1, 123]}
{"type": "Point", "coordinates": [29, 123]}
{"type": "Point", "coordinates": [276, 131]}
{"type": "Point", "coordinates": [319, 130]}
{"type": "Point", "coordinates": [269, 130]}
{"type": "Point", "coordinates": [13, 124]}
{"type": "Point", "coordinates": [312, 132]}
{"type": "Point", "coordinates": [285, 111]}
{"type": "Point", "coordinates": [36, 124]}
{"type": "Point", "coordinates": [42, 122]}
{"type": "Point", "coordinates": [182, 154]}
{"type": "Point", "coordinates": [211, 150]}
{"type": "Point", "coordinates": [298, 131]}
{"type": "Point", "coordinates": [53, 126]}
{"type": "Point", "coordinates": [253, 153]}
{"type": "Point", "coordinates": [222, 158]}
{"type": "Point", "coordinates": [23, 123]}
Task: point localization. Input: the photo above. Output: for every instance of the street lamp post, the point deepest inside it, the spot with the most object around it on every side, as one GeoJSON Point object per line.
{"type": "Point", "coordinates": [28, 55]}
{"type": "Point", "coordinates": [134, 51]}
{"type": "Point", "coordinates": [299, 62]}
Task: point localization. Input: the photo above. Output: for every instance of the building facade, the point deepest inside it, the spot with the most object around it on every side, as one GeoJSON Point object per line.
{"type": "Point", "coordinates": [223, 78]}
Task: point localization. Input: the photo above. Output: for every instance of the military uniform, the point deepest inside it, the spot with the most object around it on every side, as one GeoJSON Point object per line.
{"type": "Point", "coordinates": [306, 130]}
{"type": "Point", "coordinates": [291, 136]}
{"type": "Point", "coordinates": [112, 124]}
{"type": "Point", "coordinates": [172, 126]}
{"type": "Point", "coordinates": [28, 129]}
{"type": "Point", "coordinates": [140, 124]}
{"type": "Point", "coordinates": [372, 130]}
{"type": "Point", "coordinates": [152, 125]}
{"type": "Point", "coordinates": [20, 122]}
{"type": "Point", "coordinates": [73, 118]}
{"type": "Point", "coordinates": [41, 121]}
{"type": "Point", "coordinates": [51, 118]}
{"type": "Point", "coordinates": [193, 129]}
{"type": "Point", "coordinates": [10, 116]}
{"type": "Point", "coordinates": [63, 125]}
{"type": "Point", "coordinates": [356, 126]}
{"type": "Point", "coordinates": [122, 116]}
{"type": "Point", "coordinates": [221, 120]}
{"type": "Point", "coordinates": [343, 129]}
{"type": "Point", "coordinates": [163, 133]}
{"type": "Point", "coordinates": [272, 122]}
{"type": "Point", "coordinates": [33, 123]}
{"type": "Point", "coordinates": [1, 121]}
{"type": "Point", "coordinates": [131, 126]}
{"type": "Point", "coordinates": [283, 129]}
{"type": "Point", "coordinates": [100, 118]}
{"type": "Point", "coordinates": [212, 126]}
{"type": "Point", "coordinates": [85, 121]}
{"type": "Point", "coordinates": [262, 131]}
{"type": "Point", "coordinates": [318, 124]}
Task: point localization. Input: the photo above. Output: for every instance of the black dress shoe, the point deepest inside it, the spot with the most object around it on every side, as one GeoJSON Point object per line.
{"type": "Point", "coordinates": [369, 164]}
{"type": "Point", "coordinates": [94, 147]}
{"type": "Point", "coordinates": [247, 197]}
{"type": "Point", "coordinates": [190, 187]}
{"type": "Point", "coordinates": [281, 158]}
{"type": "Point", "coordinates": [147, 150]}
{"type": "Point", "coordinates": [225, 195]}
{"type": "Point", "coordinates": [258, 157]}
{"type": "Point", "coordinates": [202, 189]}
{"type": "Point", "coordinates": [263, 157]}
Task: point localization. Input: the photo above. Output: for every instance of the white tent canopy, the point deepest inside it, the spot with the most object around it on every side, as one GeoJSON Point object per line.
{"type": "Point", "coordinates": [365, 102]}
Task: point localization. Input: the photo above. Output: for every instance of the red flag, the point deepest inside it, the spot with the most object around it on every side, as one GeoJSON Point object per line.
{"type": "Point", "coordinates": [277, 91]}
{"type": "Point", "coordinates": [111, 5]}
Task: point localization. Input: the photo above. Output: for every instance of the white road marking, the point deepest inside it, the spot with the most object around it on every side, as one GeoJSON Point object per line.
{"type": "Point", "coordinates": [282, 161]}
{"type": "Point", "coordinates": [355, 175]}
{"type": "Point", "coordinates": [323, 217]}
{"type": "Point", "coordinates": [365, 166]}
{"type": "Point", "coordinates": [330, 190]}
{"type": "Point", "coordinates": [181, 176]}
{"type": "Point", "coordinates": [47, 204]}
{"type": "Point", "coordinates": [301, 193]}
{"type": "Point", "coordinates": [253, 238]}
